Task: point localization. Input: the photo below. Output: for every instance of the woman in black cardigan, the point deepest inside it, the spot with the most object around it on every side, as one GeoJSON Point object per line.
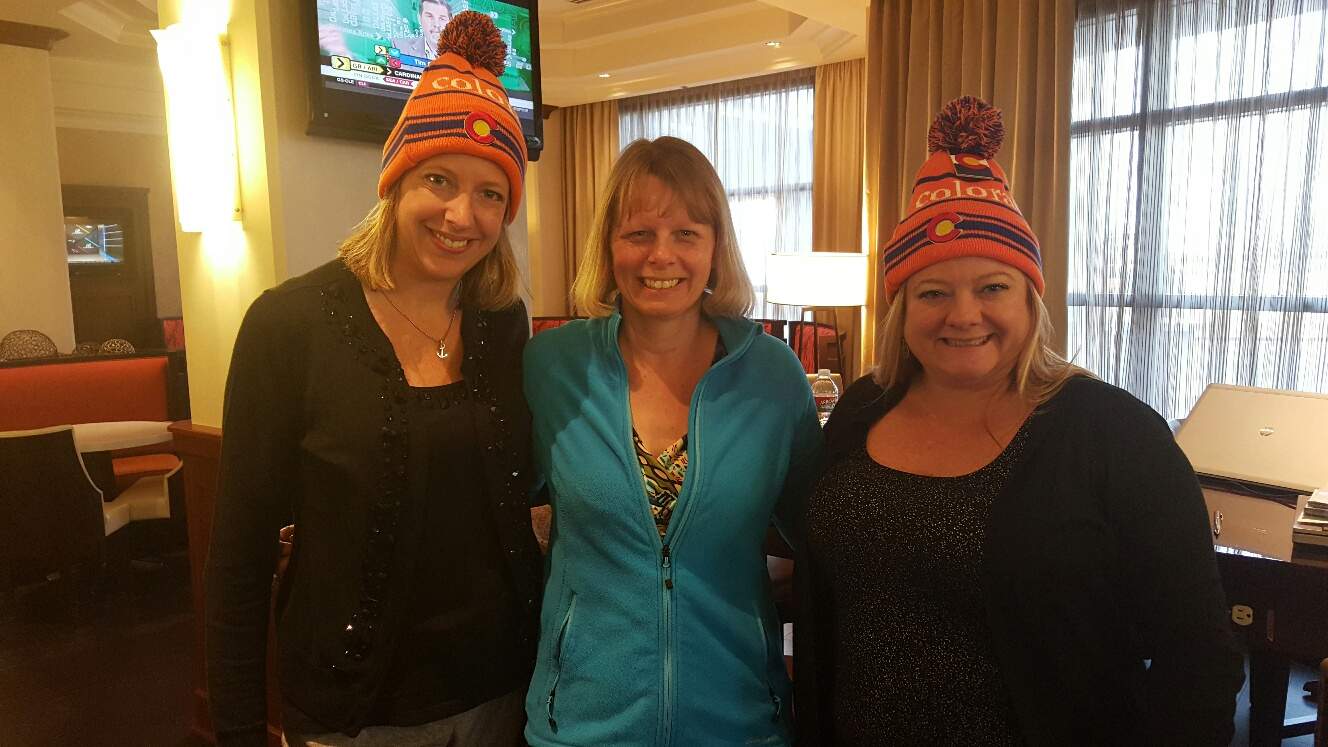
{"type": "Point", "coordinates": [1001, 549]}
{"type": "Point", "coordinates": [376, 403]}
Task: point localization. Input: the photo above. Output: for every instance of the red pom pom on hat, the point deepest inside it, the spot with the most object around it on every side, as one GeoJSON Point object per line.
{"type": "Point", "coordinates": [967, 125]}
{"type": "Point", "coordinates": [474, 36]}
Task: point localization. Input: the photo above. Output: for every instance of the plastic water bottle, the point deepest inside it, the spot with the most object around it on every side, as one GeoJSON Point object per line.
{"type": "Point", "coordinates": [826, 394]}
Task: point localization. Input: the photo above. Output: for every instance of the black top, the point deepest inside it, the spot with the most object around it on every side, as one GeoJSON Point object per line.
{"type": "Point", "coordinates": [455, 650]}
{"type": "Point", "coordinates": [903, 554]}
{"type": "Point", "coordinates": [320, 430]}
{"type": "Point", "coordinates": [1096, 557]}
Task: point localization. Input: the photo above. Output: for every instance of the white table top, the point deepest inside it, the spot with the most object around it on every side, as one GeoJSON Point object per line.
{"type": "Point", "coordinates": [123, 434]}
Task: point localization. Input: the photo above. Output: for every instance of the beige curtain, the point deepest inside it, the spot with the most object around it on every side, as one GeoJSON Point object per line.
{"type": "Point", "coordinates": [837, 177]}
{"type": "Point", "coordinates": [1017, 54]}
{"type": "Point", "coordinates": [589, 148]}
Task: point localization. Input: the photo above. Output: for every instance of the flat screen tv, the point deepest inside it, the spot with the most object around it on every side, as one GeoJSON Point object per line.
{"type": "Point", "coordinates": [366, 56]}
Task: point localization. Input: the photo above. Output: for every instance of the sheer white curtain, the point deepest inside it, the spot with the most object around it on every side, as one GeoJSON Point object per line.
{"type": "Point", "coordinates": [1199, 217]}
{"type": "Point", "coordinates": [758, 134]}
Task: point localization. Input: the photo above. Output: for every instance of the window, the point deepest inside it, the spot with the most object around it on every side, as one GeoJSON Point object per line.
{"type": "Point", "coordinates": [758, 134]}
{"type": "Point", "coordinates": [1199, 227]}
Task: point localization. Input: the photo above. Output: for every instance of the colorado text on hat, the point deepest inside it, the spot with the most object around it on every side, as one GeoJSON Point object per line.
{"type": "Point", "coordinates": [993, 194]}
{"type": "Point", "coordinates": [471, 83]}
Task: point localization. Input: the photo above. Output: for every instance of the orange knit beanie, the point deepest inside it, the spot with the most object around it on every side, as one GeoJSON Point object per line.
{"type": "Point", "coordinates": [459, 106]}
{"type": "Point", "coordinates": [961, 204]}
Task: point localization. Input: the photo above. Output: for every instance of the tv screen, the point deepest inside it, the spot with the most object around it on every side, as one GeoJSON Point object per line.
{"type": "Point", "coordinates": [370, 54]}
{"type": "Point", "coordinates": [89, 241]}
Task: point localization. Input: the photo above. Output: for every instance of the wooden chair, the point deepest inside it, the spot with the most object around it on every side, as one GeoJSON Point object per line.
{"type": "Point", "coordinates": [54, 522]}
{"type": "Point", "coordinates": [774, 327]}
{"type": "Point", "coordinates": [815, 344]}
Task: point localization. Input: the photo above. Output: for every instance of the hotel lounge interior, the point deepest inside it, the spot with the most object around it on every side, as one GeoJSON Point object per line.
{"type": "Point", "coordinates": [163, 162]}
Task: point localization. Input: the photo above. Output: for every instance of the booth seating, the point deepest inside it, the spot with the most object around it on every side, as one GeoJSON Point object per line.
{"type": "Point", "coordinates": [45, 393]}
{"type": "Point", "coordinates": [39, 393]}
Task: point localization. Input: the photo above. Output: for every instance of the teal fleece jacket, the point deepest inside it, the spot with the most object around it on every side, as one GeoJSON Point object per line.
{"type": "Point", "coordinates": [664, 641]}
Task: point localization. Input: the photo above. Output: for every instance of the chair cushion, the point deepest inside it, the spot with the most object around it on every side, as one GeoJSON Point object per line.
{"type": "Point", "coordinates": [142, 465]}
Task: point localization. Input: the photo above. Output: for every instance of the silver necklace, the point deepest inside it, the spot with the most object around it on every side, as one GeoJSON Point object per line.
{"type": "Point", "coordinates": [440, 341]}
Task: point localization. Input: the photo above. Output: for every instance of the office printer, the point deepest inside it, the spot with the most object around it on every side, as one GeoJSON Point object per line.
{"type": "Point", "coordinates": [1259, 453]}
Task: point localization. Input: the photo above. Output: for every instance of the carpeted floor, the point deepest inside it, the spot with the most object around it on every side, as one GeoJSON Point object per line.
{"type": "Point", "coordinates": [121, 675]}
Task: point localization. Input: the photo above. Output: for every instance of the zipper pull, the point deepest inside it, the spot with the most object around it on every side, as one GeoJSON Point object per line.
{"type": "Point", "coordinates": [667, 564]}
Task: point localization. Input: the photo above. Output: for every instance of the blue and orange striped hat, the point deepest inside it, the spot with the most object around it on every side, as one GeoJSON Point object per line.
{"type": "Point", "coordinates": [460, 107]}
{"type": "Point", "coordinates": [961, 204]}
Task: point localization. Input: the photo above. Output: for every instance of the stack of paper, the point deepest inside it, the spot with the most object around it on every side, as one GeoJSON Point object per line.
{"type": "Point", "coordinates": [1312, 525]}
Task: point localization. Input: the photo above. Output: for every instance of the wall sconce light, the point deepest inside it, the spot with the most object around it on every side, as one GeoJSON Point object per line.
{"type": "Point", "coordinates": [200, 119]}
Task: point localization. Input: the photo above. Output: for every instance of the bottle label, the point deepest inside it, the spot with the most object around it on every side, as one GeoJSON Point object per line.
{"type": "Point", "coordinates": [826, 401]}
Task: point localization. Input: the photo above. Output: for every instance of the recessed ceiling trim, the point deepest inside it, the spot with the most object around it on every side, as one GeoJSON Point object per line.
{"type": "Point", "coordinates": [90, 119]}
{"type": "Point", "coordinates": [108, 21]}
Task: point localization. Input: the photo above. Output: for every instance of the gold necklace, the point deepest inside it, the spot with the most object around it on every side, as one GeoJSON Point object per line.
{"type": "Point", "coordinates": [440, 341]}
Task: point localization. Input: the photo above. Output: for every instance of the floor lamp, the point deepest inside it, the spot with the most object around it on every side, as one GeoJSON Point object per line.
{"type": "Point", "coordinates": [814, 279]}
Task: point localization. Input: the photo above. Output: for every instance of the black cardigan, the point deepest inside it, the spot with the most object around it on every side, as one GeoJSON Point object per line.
{"type": "Point", "coordinates": [314, 432]}
{"type": "Point", "coordinates": [1098, 557]}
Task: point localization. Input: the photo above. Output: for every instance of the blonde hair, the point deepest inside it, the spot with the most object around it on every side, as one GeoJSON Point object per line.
{"type": "Point", "coordinates": [492, 284]}
{"type": "Point", "coordinates": [686, 173]}
{"type": "Point", "coordinates": [1038, 373]}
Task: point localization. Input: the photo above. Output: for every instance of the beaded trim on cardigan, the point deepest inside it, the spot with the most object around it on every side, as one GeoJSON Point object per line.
{"type": "Point", "coordinates": [359, 634]}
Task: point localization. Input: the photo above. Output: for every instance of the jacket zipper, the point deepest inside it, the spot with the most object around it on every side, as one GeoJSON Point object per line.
{"type": "Point", "coordinates": [558, 664]}
{"type": "Point", "coordinates": [671, 534]}
{"type": "Point", "coordinates": [666, 599]}
{"type": "Point", "coordinates": [775, 700]}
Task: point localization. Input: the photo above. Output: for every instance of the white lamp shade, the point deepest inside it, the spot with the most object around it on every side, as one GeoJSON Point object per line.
{"type": "Point", "coordinates": [816, 279]}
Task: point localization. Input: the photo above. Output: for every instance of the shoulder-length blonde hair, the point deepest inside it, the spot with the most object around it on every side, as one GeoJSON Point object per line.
{"type": "Point", "coordinates": [1038, 373]}
{"type": "Point", "coordinates": [493, 284]}
{"type": "Point", "coordinates": [687, 173]}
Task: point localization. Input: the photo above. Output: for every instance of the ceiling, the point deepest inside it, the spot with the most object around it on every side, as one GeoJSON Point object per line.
{"type": "Point", "coordinates": [642, 46]}
{"type": "Point", "coordinates": [114, 31]}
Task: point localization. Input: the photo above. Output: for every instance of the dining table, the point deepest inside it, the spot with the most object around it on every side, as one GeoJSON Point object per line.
{"type": "Point", "coordinates": [98, 443]}
{"type": "Point", "coordinates": [120, 434]}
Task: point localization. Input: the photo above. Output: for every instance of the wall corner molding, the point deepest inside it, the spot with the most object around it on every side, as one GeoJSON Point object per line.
{"type": "Point", "coordinates": [27, 35]}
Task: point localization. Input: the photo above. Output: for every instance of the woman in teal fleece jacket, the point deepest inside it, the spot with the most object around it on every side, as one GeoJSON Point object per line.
{"type": "Point", "coordinates": [669, 429]}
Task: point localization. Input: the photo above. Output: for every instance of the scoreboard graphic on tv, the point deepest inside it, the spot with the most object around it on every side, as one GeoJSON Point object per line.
{"type": "Point", "coordinates": [382, 46]}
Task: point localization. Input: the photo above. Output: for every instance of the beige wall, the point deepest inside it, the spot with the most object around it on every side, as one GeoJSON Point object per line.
{"type": "Point", "coordinates": [34, 275]}
{"type": "Point", "coordinates": [544, 191]}
{"type": "Point", "coordinates": [125, 159]}
{"type": "Point", "coordinates": [325, 185]}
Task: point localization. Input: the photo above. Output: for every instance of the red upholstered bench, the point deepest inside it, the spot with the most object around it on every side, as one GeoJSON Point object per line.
{"type": "Point", "coordinates": [40, 395]}
{"type": "Point", "coordinates": [61, 391]}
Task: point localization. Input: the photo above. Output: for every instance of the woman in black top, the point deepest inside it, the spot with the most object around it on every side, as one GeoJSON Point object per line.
{"type": "Point", "coordinates": [376, 403]}
{"type": "Point", "coordinates": [1001, 549]}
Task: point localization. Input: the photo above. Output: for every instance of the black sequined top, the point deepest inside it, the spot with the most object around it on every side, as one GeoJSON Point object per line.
{"type": "Point", "coordinates": [321, 429]}
{"type": "Point", "coordinates": [1100, 603]}
{"type": "Point", "coordinates": [455, 648]}
{"type": "Point", "coordinates": [903, 553]}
